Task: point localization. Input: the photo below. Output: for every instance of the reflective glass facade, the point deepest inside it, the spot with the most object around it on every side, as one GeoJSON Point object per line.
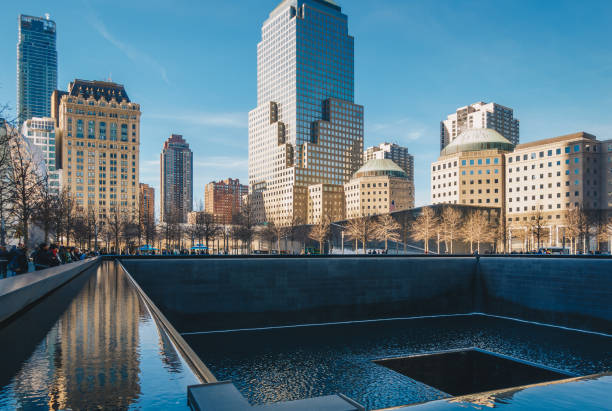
{"type": "Point", "coordinates": [306, 129]}
{"type": "Point", "coordinates": [36, 67]}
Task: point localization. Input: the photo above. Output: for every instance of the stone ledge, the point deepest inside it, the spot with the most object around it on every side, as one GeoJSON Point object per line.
{"type": "Point", "coordinates": [17, 293]}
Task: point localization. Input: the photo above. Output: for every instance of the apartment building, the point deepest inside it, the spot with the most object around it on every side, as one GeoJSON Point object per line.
{"type": "Point", "coordinates": [391, 151]}
{"type": "Point", "coordinates": [223, 199]}
{"type": "Point", "coordinates": [480, 115]}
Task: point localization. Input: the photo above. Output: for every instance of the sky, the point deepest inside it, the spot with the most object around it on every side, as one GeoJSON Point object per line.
{"type": "Point", "coordinates": [191, 65]}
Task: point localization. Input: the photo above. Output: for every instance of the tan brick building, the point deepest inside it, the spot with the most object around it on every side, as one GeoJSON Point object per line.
{"type": "Point", "coordinates": [223, 199]}
{"type": "Point", "coordinates": [551, 176]}
{"type": "Point", "coordinates": [379, 187]}
{"type": "Point", "coordinates": [99, 140]}
{"type": "Point", "coordinates": [470, 170]}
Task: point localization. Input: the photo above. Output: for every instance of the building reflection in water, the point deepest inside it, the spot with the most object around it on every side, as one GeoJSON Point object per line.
{"type": "Point", "coordinates": [91, 355]}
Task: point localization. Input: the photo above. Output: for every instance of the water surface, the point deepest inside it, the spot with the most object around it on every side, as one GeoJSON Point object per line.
{"type": "Point", "coordinates": [91, 344]}
{"type": "Point", "coordinates": [296, 363]}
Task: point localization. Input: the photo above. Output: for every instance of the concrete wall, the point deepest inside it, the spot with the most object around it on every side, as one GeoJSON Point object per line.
{"type": "Point", "coordinates": [17, 293]}
{"type": "Point", "coordinates": [198, 295]}
{"type": "Point", "coordinates": [573, 292]}
{"type": "Point", "coordinates": [219, 293]}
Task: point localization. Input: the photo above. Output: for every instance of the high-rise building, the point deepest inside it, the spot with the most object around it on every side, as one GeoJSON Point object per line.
{"type": "Point", "coordinates": [470, 170]}
{"type": "Point", "coordinates": [223, 199]}
{"type": "Point", "coordinates": [176, 163]}
{"type": "Point", "coordinates": [379, 187]}
{"type": "Point", "coordinates": [147, 203]}
{"type": "Point", "coordinates": [480, 115]}
{"type": "Point", "coordinates": [99, 140]}
{"type": "Point", "coordinates": [394, 152]}
{"type": "Point", "coordinates": [306, 129]}
{"type": "Point", "coordinates": [40, 133]}
{"type": "Point", "coordinates": [36, 67]}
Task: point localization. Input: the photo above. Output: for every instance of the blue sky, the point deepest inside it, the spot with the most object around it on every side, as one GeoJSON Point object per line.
{"type": "Point", "coordinates": [192, 67]}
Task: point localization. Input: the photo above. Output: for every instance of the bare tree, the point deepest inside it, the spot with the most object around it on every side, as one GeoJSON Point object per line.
{"type": "Point", "coordinates": [424, 227]}
{"type": "Point", "coordinates": [245, 221]}
{"type": "Point", "coordinates": [129, 233]}
{"type": "Point", "coordinates": [386, 228]}
{"type": "Point", "coordinates": [537, 226]}
{"type": "Point", "coordinates": [360, 229]}
{"type": "Point", "coordinates": [575, 219]}
{"type": "Point", "coordinates": [114, 224]}
{"type": "Point", "coordinates": [5, 168]}
{"type": "Point", "coordinates": [320, 232]}
{"type": "Point", "coordinates": [450, 223]}
{"type": "Point", "coordinates": [405, 219]}
{"type": "Point", "coordinates": [24, 186]}
{"type": "Point", "coordinates": [44, 211]}
{"type": "Point", "coordinates": [476, 229]}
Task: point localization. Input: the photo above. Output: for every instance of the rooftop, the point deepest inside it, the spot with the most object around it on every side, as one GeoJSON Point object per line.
{"type": "Point", "coordinates": [97, 89]}
{"type": "Point", "coordinates": [567, 137]}
{"type": "Point", "coordinates": [477, 139]}
{"type": "Point", "coordinates": [380, 167]}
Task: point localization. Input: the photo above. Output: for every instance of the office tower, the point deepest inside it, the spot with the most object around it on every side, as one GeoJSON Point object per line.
{"type": "Point", "coordinates": [379, 187]}
{"type": "Point", "coordinates": [36, 67]}
{"type": "Point", "coordinates": [306, 129]}
{"type": "Point", "coordinates": [99, 141]}
{"type": "Point", "coordinates": [147, 203]}
{"type": "Point", "coordinates": [480, 115]}
{"type": "Point", "coordinates": [40, 133]}
{"type": "Point", "coordinates": [176, 162]}
{"type": "Point", "coordinates": [223, 199]}
{"type": "Point", "coordinates": [470, 170]}
{"type": "Point", "coordinates": [548, 178]}
{"type": "Point", "coordinates": [398, 154]}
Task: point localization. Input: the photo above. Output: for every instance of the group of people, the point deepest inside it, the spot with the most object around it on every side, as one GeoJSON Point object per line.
{"type": "Point", "coordinates": [17, 261]}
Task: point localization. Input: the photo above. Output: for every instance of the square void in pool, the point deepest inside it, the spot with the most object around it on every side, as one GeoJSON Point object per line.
{"type": "Point", "coordinates": [470, 371]}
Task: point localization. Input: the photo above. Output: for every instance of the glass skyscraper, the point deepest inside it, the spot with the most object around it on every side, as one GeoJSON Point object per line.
{"type": "Point", "coordinates": [36, 67]}
{"type": "Point", "coordinates": [306, 134]}
{"type": "Point", "coordinates": [176, 173]}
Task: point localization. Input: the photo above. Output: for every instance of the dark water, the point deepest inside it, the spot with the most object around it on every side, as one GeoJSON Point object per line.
{"type": "Point", "coordinates": [90, 344]}
{"type": "Point", "coordinates": [297, 363]}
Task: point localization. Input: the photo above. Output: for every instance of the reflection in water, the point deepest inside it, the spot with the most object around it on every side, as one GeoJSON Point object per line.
{"type": "Point", "coordinates": [103, 351]}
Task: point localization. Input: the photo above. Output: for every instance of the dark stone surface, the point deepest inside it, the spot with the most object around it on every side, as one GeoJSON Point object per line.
{"type": "Point", "coordinates": [569, 292]}
{"type": "Point", "coordinates": [199, 295]}
{"type": "Point", "coordinates": [229, 293]}
{"type": "Point", "coordinates": [461, 372]}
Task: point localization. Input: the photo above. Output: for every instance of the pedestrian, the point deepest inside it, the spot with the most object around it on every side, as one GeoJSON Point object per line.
{"type": "Point", "coordinates": [18, 262]}
{"type": "Point", "coordinates": [4, 260]}
{"type": "Point", "coordinates": [42, 257]}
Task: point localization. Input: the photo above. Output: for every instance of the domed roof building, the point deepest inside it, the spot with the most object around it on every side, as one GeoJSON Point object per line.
{"type": "Point", "coordinates": [380, 167]}
{"type": "Point", "coordinates": [471, 170]}
{"type": "Point", "coordinates": [379, 187]}
{"type": "Point", "coordinates": [477, 139]}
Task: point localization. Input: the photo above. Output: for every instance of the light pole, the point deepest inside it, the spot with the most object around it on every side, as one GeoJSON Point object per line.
{"type": "Point", "coordinates": [342, 234]}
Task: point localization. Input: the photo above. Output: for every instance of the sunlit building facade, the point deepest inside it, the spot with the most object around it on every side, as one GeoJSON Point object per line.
{"type": "Point", "coordinates": [147, 203]}
{"type": "Point", "coordinates": [547, 178]}
{"type": "Point", "coordinates": [379, 187]}
{"type": "Point", "coordinates": [99, 140]}
{"type": "Point", "coordinates": [36, 67]}
{"type": "Point", "coordinates": [223, 199]}
{"type": "Point", "coordinates": [470, 170]}
{"type": "Point", "coordinates": [306, 129]}
{"type": "Point", "coordinates": [480, 115]}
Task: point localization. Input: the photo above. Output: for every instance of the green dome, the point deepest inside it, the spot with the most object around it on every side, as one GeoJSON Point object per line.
{"type": "Point", "coordinates": [477, 139]}
{"type": "Point", "coordinates": [380, 167]}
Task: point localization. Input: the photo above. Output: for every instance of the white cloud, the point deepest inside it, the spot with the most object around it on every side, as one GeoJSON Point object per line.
{"type": "Point", "coordinates": [226, 162]}
{"type": "Point", "coordinates": [131, 52]}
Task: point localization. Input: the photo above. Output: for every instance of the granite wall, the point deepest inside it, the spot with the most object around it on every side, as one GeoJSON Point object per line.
{"type": "Point", "coordinates": [198, 295]}
{"type": "Point", "coordinates": [230, 293]}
